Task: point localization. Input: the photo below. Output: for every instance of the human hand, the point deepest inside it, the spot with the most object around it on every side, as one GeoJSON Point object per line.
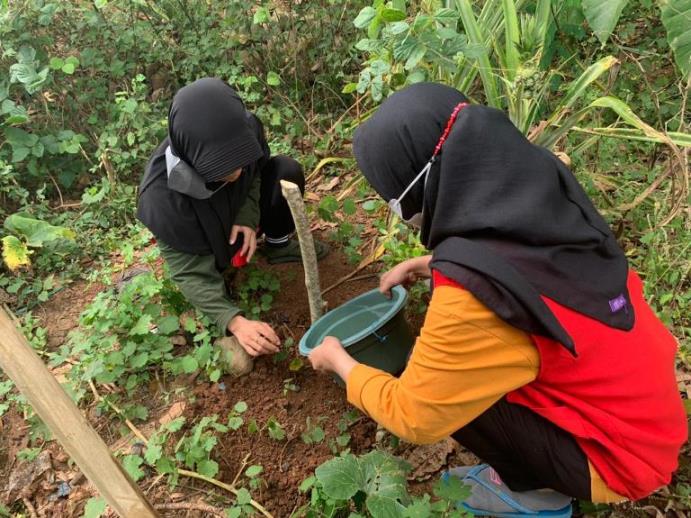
{"type": "Point", "coordinates": [330, 356]}
{"type": "Point", "coordinates": [404, 274]}
{"type": "Point", "coordinates": [249, 241]}
{"type": "Point", "coordinates": [255, 337]}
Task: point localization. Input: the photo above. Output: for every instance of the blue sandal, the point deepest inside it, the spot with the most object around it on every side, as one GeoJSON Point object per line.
{"type": "Point", "coordinates": [491, 497]}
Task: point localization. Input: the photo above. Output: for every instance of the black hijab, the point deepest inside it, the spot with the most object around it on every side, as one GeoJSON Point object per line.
{"type": "Point", "coordinates": [503, 217]}
{"type": "Point", "coordinates": [210, 134]}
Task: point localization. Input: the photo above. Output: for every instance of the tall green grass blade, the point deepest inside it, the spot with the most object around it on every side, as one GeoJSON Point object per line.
{"type": "Point", "coordinates": [639, 129]}
{"type": "Point", "coordinates": [626, 113]}
{"type": "Point", "coordinates": [678, 138]}
{"type": "Point", "coordinates": [511, 57]}
{"type": "Point", "coordinates": [676, 17]}
{"type": "Point", "coordinates": [476, 37]}
{"type": "Point", "coordinates": [543, 13]}
{"type": "Point", "coordinates": [580, 85]}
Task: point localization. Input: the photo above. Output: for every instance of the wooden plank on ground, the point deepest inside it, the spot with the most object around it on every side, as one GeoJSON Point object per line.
{"type": "Point", "coordinates": [70, 428]}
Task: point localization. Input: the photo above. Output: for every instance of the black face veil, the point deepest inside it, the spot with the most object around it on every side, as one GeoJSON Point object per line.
{"type": "Point", "coordinates": [504, 218]}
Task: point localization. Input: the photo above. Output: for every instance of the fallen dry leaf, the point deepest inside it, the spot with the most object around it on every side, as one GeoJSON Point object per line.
{"type": "Point", "coordinates": [428, 459]}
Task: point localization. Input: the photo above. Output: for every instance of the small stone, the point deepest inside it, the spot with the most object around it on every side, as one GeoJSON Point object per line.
{"type": "Point", "coordinates": [234, 358]}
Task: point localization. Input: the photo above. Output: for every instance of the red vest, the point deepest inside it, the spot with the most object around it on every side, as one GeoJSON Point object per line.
{"type": "Point", "coordinates": [618, 397]}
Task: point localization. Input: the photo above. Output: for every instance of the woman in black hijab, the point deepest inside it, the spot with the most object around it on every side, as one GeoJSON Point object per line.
{"type": "Point", "coordinates": [538, 352]}
{"type": "Point", "coordinates": [208, 189]}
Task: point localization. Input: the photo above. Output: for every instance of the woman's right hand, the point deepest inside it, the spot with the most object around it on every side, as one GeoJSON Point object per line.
{"type": "Point", "coordinates": [405, 273]}
{"type": "Point", "coordinates": [255, 337]}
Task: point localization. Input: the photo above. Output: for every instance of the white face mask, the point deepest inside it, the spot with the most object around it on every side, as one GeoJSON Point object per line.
{"type": "Point", "coordinates": [395, 204]}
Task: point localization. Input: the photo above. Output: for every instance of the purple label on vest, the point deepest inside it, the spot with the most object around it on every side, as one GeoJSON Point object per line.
{"type": "Point", "coordinates": [618, 303]}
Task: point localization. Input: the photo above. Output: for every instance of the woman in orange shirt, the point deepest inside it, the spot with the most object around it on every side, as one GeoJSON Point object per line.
{"type": "Point", "coordinates": [538, 352]}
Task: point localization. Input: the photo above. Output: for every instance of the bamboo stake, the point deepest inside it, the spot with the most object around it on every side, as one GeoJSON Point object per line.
{"type": "Point", "coordinates": [73, 432]}
{"type": "Point", "coordinates": [293, 196]}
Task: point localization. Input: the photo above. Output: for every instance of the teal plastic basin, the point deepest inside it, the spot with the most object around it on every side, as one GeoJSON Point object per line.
{"type": "Point", "coordinates": [371, 327]}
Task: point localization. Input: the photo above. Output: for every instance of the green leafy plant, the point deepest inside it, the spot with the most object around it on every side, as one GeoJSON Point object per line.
{"type": "Point", "coordinates": [235, 419]}
{"type": "Point", "coordinates": [676, 17]}
{"type": "Point", "coordinates": [289, 385]}
{"type": "Point", "coordinates": [254, 480]}
{"type": "Point", "coordinates": [28, 232]}
{"type": "Point", "coordinates": [194, 449]}
{"type": "Point", "coordinates": [375, 485]}
{"type": "Point", "coordinates": [313, 434]}
{"type": "Point", "coordinates": [256, 292]}
{"type": "Point", "coordinates": [275, 429]}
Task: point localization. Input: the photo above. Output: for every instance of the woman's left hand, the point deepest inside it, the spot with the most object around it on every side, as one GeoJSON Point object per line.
{"type": "Point", "coordinates": [249, 240]}
{"type": "Point", "coordinates": [330, 356]}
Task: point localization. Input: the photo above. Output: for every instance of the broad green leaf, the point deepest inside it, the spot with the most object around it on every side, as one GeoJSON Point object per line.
{"type": "Point", "coordinates": [349, 88]}
{"type": "Point", "coordinates": [166, 465]}
{"type": "Point", "coordinates": [254, 470]}
{"type": "Point", "coordinates": [295, 364]}
{"type": "Point", "coordinates": [384, 475]}
{"type": "Point", "coordinates": [243, 496]}
{"type": "Point", "coordinates": [421, 508]}
{"type": "Point", "coordinates": [19, 137]}
{"type": "Point", "coordinates": [168, 325]}
{"type": "Point", "coordinates": [153, 453]}
{"type": "Point", "coordinates": [235, 422]}
{"type": "Point", "coordinates": [142, 325]}
{"type": "Point", "coordinates": [240, 407]}
{"type": "Point", "coordinates": [208, 468]}
{"type": "Point", "coordinates": [175, 425]}
{"type": "Point", "coordinates": [390, 15]}
{"type": "Point", "coordinates": [602, 16]}
{"type": "Point", "coordinates": [139, 360]}
{"type": "Point", "coordinates": [340, 477]}
{"type": "Point", "coordinates": [418, 52]}
{"type": "Point", "coordinates": [56, 63]}
{"type": "Point", "coordinates": [15, 253]}
{"type": "Point", "coordinates": [131, 464]}
{"type": "Point", "coordinates": [261, 15]}
{"type": "Point", "coordinates": [273, 79]}
{"type": "Point", "coordinates": [366, 15]}
{"type": "Point", "coordinates": [382, 506]}
{"type": "Point", "coordinates": [307, 484]}
{"type": "Point", "coordinates": [676, 17]}
{"type": "Point", "coordinates": [452, 489]}
{"type": "Point", "coordinates": [94, 507]}
{"type": "Point", "coordinates": [446, 16]}
{"type": "Point", "coordinates": [35, 231]}
{"type": "Point", "coordinates": [189, 364]}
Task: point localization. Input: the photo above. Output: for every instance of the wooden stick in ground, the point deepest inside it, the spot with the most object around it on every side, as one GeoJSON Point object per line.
{"type": "Point", "coordinates": [293, 196]}
{"type": "Point", "coordinates": [70, 428]}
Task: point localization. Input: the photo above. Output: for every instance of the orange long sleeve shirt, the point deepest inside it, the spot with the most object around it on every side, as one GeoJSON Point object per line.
{"type": "Point", "coordinates": [465, 359]}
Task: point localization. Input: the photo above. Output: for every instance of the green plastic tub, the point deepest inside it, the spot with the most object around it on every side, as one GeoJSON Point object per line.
{"type": "Point", "coordinates": [371, 327]}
